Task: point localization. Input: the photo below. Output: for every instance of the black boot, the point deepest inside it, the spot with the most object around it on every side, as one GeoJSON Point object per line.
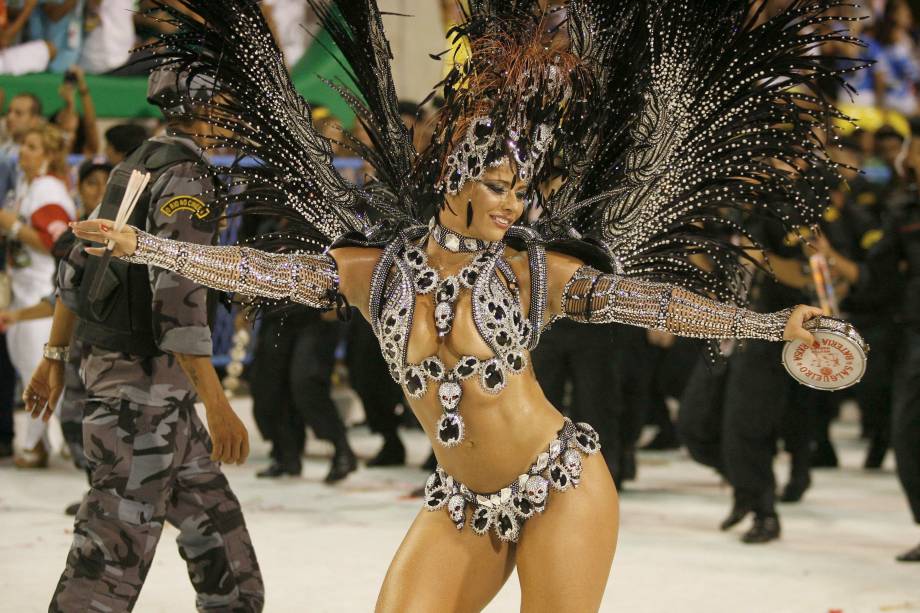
{"type": "Point", "coordinates": [739, 512]}
{"type": "Point", "coordinates": [665, 440]}
{"type": "Point", "coordinates": [393, 453]}
{"type": "Point", "coordinates": [912, 555]}
{"type": "Point", "coordinates": [765, 529]}
{"type": "Point", "coordinates": [795, 489]}
{"type": "Point", "coordinates": [823, 455]}
{"type": "Point", "coordinates": [6, 449]}
{"type": "Point", "coordinates": [875, 456]}
{"type": "Point", "coordinates": [72, 509]}
{"type": "Point", "coordinates": [344, 462]}
{"type": "Point", "coordinates": [276, 469]}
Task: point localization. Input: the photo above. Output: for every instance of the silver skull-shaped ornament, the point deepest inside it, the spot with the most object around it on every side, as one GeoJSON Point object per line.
{"type": "Point", "coordinates": [449, 393]}
{"type": "Point", "coordinates": [443, 317]}
{"type": "Point", "coordinates": [571, 460]}
{"type": "Point", "coordinates": [456, 506]}
{"type": "Point", "coordinates": [536, 489]}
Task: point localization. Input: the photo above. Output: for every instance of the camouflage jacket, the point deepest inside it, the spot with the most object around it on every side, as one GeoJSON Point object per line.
{"type": "Point", "coordinates": [179, 198]}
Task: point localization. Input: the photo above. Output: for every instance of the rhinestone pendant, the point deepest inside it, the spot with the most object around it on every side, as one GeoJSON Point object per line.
{"type": "Point", "coordinates": [443, 318]}
{"type": "Point", "coordinates": [449, 393]}
{"type": "Point", "coordinates": [450, 429]}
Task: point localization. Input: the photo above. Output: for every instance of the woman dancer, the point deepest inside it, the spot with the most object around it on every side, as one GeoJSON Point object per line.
{"type": "Point", "coordinates": [458, 304]}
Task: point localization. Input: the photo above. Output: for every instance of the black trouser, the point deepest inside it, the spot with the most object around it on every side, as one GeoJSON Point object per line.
{"type": "Point", "coordinates": [874, 391]}
{"type": "Point", "coordinates": [699, 420]}
{"type": "Point", "coordinates": [762, 404]}
{"type": "Point", "coordinates": [905, 433]}
{"type": "Point", "coordinates": [370, 378]}
{"type": "Point", "coordinates": [7, 393]}
{"type": "Point", "coordinates": [291, 385]}
{"type": "Point", "coordinates": [585, 355]}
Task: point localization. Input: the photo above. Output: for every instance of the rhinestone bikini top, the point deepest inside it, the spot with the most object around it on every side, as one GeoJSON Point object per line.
{"type": "Point", "coordinates": [403, 272]}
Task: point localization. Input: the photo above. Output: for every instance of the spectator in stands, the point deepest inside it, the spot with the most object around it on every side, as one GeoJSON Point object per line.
{"type": "Point", "coordinates": [25, 113]}
{"type": "Point", "coordinates": [60, 22]}
{"type": "Point", "coordinates": [80, 131]}
{"type": "Point", "coordinates": [40, 214]}
{"type": "Point", "coordinates": [898, 70]}
{"type": "Point", "coordinates": [16, 57]}
{"type": "Point", "coordinates": [122, 139]}
{"type": "Point", "coordinates": [290, 22]}
{"type": "Point", "coordinates": [108, 30]}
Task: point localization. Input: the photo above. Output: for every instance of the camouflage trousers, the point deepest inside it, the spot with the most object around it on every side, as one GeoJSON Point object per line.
{"type": "Point", "coordinates": [150, 464]}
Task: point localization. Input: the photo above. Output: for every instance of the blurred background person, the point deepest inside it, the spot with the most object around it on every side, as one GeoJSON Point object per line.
{"type": "Point", "coordinates": [121, 139]}
{"type": "Point", "coordinates": [80, 130]}
{"type": "Point", "coordinates": [38, 216]}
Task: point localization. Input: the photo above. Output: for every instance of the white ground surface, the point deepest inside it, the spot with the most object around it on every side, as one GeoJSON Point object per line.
{"type": "Point", "coordinates": [327, 549]}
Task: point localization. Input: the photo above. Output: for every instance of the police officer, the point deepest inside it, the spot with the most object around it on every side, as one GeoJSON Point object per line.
{"type": "Point", "coordinates": [899, 250]}
{"type": "Point", "coordinates": [291, 387]}
{"type": "Point", "coordinates": [147, 357]}
{"type": "Point", "coordinates": [762, 403]}
{"type": "Point", "coordinates": [586, 358]}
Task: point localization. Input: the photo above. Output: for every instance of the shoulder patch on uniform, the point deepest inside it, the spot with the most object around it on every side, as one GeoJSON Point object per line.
{"type": "Point", "coordinates": [870, 238]}
{"type": "Point", "coordinates": [185, 203]}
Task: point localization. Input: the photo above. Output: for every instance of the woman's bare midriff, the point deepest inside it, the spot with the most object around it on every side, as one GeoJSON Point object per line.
{"type": "Point", "coordinates": [504, 433]}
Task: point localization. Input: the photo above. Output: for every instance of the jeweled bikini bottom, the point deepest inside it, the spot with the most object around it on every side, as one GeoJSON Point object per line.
{"type": "Point", "coordinates": [505, 511]}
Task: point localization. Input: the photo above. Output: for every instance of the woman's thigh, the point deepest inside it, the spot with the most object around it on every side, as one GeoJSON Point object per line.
{"type": "Point", "coordinates": [438, 568]}
{"type": "Point", "coordinates": [564, 555]}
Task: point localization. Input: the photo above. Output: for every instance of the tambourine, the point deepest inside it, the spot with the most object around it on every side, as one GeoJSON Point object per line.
{"type": "Point", "coordinates": [836, 362]}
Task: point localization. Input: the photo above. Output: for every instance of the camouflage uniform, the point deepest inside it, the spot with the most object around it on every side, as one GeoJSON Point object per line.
{"type": "Point", "coordinates": [148, 452]}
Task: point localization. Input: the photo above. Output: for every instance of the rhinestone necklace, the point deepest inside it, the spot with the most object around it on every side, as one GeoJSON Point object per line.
{"type": "Point", "coordinates": [457, 243]}
{"type": "Point", "coordinates": [450, 427]}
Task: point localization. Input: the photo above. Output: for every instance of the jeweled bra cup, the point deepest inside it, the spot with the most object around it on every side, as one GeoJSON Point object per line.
{"type": "Point", "coordinates": [506, 510]}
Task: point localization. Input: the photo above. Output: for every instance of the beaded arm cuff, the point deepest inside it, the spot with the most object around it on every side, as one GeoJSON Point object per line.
{"type": "Point", "coordinates": [593, 297]}
{"type": "Point", "coordinates": [308, 279]}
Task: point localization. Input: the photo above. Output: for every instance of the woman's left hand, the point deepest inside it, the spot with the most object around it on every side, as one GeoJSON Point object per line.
{"type": "Point", "coordinates": [795, 329]}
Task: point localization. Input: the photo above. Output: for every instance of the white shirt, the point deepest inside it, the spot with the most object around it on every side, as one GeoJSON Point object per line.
{"type": "Point", "coordinates": [108, 44]}
{"type": "Point", "coordinates": [46, 206]}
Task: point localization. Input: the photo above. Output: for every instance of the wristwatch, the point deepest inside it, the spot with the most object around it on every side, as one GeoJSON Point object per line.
{"type": "Point", "coordinates": [58, 354]}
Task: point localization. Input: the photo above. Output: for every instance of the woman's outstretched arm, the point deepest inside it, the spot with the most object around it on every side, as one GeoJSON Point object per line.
{"type": "Point", "coordinates": [585, 294]}
{"type": "Point", "coordinates": [310, 279]}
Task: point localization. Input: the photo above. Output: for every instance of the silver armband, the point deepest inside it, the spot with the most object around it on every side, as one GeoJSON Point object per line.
{"type": "Point", "coordinates": [594, 297]}
{"type": "Point", "coordinates": [309, 279]}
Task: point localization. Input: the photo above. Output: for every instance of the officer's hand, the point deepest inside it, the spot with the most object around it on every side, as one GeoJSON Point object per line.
{"type": "Point", "coordinates": [43, 391]}
{"type": "Point", "coordinates": [101, 231]}
{"type": "Point", "coordinates": [794, 325]}
{"type": "Point", "coordinates": [228, 435]}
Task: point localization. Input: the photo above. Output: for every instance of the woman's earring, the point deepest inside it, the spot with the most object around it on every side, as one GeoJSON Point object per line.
{"type": "Point", "coordinates": [469, 213]}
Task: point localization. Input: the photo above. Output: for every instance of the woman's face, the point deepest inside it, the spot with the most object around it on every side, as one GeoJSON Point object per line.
{"type": "Point", "coordinates": [32, 155]}
{"type": "Point", "coordinates": [496, 199]}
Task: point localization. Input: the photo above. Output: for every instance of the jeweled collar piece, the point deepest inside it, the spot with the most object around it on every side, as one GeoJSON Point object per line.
{"type": "Point", "coordinates": [457, 243]}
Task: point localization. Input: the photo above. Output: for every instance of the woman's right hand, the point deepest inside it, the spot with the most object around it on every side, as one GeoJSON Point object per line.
{"type": "Point", "coordinates": [101, 231]}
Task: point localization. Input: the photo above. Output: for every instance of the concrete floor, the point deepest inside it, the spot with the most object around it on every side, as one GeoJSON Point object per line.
{"type": "Point", "coordinates": [327, 549]}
